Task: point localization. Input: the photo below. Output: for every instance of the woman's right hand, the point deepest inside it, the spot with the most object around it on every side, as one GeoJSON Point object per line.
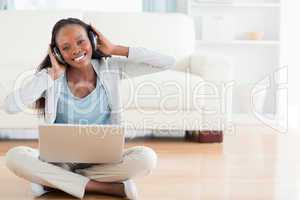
{"type": "Point", "coordinates": [57, 69]}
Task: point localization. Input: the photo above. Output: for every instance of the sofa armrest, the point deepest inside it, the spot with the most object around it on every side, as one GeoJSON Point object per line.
{"type": "Point", "coordinates": [214, 68]}
{"type": "Point", "coordinates": [217, 71]}
{"type": "Point", "coordinates": [3, 94]}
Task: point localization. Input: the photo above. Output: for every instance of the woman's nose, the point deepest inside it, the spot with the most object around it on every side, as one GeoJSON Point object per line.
{"type": "Point", "coordinates": [76, 51]}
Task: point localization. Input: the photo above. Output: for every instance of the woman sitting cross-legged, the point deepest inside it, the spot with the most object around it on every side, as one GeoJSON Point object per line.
{"type": "Point", "coordinates": [78, 82]}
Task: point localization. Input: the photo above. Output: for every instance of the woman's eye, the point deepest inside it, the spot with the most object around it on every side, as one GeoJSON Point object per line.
{"type": "Point", "coordinates": [80, 41]}
{"type": "Point", "coordinates": [65, 48]}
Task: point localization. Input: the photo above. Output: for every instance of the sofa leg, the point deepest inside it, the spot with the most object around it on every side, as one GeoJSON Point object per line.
{"type": "Point", "coordinates": [211, 136]}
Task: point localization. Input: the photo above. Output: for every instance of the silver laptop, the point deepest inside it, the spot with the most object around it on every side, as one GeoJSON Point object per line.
{"type": "Point", "coordinates": [70, 143]}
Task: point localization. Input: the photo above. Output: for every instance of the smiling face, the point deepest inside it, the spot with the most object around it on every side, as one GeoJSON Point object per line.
{"type": "Point", "coordinates": [74, 45]}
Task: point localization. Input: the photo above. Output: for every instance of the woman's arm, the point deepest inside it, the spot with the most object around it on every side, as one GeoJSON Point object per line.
{"type": "Point", "coordinates": [119, 50]}
{"type": "Point", "coordinates": [26, 95]}
{"type": "Point", "coordinates": [141, 61]}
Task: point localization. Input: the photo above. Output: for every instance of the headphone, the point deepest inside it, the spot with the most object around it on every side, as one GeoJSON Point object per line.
{"type": "Point", "coordinates": [93, 39]}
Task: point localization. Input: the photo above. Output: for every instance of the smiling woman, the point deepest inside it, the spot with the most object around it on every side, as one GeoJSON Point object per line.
{"type": "Point", "coordinates": [72, 47]}
{"type": "Point", "coordinates": [78, 82]}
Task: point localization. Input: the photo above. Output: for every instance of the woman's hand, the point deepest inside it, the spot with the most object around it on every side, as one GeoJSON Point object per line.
{"type": "Point", "coordinates": [57, 69]}
{"type": "Point", "coordinates": [103, 44]}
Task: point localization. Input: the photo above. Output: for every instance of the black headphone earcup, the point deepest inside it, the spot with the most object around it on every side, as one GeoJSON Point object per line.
{"type": "Point", "coordinates": [58, 56]}
{"type": "Point", "coordinates": [93, 39]}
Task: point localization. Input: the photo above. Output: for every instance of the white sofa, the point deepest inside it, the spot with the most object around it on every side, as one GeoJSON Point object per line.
{"type": "Point", "coordinates": [161, 101]}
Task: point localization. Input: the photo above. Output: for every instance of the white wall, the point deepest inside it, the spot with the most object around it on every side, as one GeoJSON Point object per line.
{"type": "Point", "coordinates": [292, 59]}
{"type": "Point", "coordinates": [100, 5]}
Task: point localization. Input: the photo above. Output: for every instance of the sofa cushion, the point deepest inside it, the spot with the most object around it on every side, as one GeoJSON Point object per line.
{"type": "Point", "coordinates": [25, 35]}
{"type": "Point", "coordinates": [172, 34]}
{"type": "Point", "coordinates": [166, 90]}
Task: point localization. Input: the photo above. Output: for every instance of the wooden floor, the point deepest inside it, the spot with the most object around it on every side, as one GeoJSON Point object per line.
{"type": "Point", "coordinates": [252, 163]}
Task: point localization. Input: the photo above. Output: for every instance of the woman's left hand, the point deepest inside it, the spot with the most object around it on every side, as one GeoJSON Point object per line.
{"type": "Point", "coordinates": [103, 44]}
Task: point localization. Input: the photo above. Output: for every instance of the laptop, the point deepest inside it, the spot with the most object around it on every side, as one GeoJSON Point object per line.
{"type": "Point", "coordinates": [74, 143]}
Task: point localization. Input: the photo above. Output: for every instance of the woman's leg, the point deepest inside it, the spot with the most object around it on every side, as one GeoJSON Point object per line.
{"type": "Point", "coordinates": [137, 161]}
{"type": "Point", "coordinates": [107, 178]}
{"type": "Point", "coordinates": [24, 162]}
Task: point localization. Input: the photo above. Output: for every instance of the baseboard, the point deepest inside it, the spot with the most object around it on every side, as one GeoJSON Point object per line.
{"type": "Point", "coordinates": [18, 134]}
{"type": "Point", "coordinates": [33, 134]}
{"type": "Point", "coordinates": [237, 119]}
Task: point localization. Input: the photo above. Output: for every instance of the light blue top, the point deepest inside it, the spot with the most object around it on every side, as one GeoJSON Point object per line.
{"type": "Point", "coordinates": [91, 109]}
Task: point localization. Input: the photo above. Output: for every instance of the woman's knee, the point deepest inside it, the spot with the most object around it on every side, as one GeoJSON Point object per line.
{"type": "Point", "coordinates": [149, 158]}
{"type": "Point", "coordinates": [145, 160]}
{"type": "Point", "coordinates": [15, 156]}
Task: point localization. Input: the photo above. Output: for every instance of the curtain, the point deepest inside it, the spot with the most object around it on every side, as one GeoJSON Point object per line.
{"type": "Point", "coordinates": [6, 4]}
{"type": "Point", "coordinates": [159, 5]}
